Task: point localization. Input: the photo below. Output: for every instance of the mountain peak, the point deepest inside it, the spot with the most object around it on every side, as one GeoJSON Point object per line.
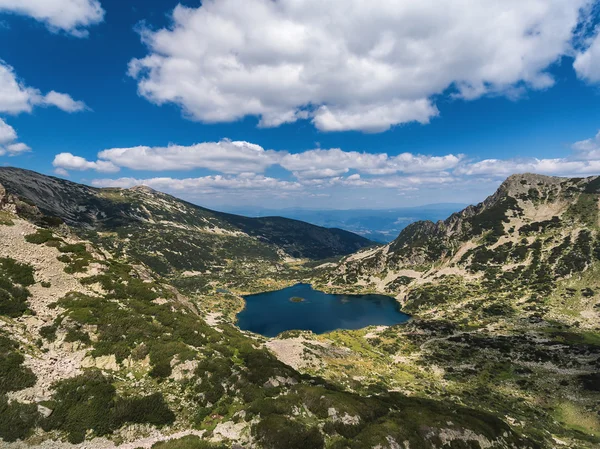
{"type": "Point", "coordinates": [142, 189]}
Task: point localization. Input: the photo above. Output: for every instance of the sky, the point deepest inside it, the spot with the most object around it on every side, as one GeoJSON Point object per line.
{"type": "Point", "coordinates": [344, 104]}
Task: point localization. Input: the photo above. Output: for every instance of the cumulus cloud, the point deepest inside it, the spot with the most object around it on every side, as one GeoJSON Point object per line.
{"type": "Point", "coordinates": [319, 171]}
{"type": "Point", "coordinates": [224, 156]}
{"type": "Point", "coordinates": [16, 97]}
{"type": "Point", "coordinates": [207, 184]}
{"type": "Point", "coordinates": [334, 162]}
{"type": "Point", "coordinates": [8, 144]}
{"type": "Point", "coordinates": [241, 157]}
{"type": "Point", "coordinates": [67, 161]}
{"type": "Point", "coordinates": [71, 16]}
{"type": "Point", "coordinates": [62, 101]}
{"type": "Point", "coordinates": [507, 167]}
{"type": "Point", "coordinates": [588, 148]}
{"type": "Point", "coordinates": [7, 133]}
{"type": "Point", "coordinates": [349, 64]}
{"type": "Point", "coordinates": [587, 60]}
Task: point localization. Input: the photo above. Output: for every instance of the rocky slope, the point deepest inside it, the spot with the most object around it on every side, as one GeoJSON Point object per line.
{"type": "Point", "coordinates": [162, 230]}
{"type": "Point", "coordinates": [505, 298]}
{"type": "Point", "coordinates": [503, 231]}
{"type": "Point", "coordinates": [98, 350]}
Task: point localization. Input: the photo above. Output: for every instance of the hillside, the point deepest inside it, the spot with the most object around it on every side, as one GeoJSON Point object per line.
{"type": "Point", "coordinates": [171, 235]}
{"type": "Point", "coordinates": [97, 350]}
{"type": "Point", "coordinates": [505, 229]}
{"type": "Point", "coordinates": [505, 299]}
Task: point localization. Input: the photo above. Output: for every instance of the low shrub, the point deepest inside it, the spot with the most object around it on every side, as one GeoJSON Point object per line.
{"type": "Point", "coordinates": [278, 432]}
{"type": "Point", "coordinates": [41, 236]}
{"type": "Point", "coordinates": [188, 442]}
{"type": "Point", "coordinates": [17, 272]}
{"type": "Point", "coordinates": [90, 402]}
{"type": "Point", "coordinates": [16, 419]}
{"type": "Point", "coordinates": [13, 375]}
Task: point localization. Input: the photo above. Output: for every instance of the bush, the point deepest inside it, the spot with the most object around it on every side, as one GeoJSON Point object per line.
{"type": "Point", "coordinates": [49, 332]}
{"type": "Point", "coordinates": [41, 236]}
{"type": "Point", "coordinates": [150, 409]}
{"type": "Point", "coordinates": [13, 299]}
{"type": "Point", "coordinates": [278, 432]}
{"type": "Point", "coordinates": [16, 419]}
{"type": "Point", "coordinates": [19, 273]}
{"type": "Point", "coordinates": [13, 375]}
{"type": "Point", "coordinates": [77, 335]}
{"type": "Point", "coordinates": [90, 402]}
{"type": "Point", "coordinates": [188, 442]}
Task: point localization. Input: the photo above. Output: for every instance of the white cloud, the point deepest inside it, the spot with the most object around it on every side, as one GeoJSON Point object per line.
{"type": "Point", "coordinates": [589, 148]}
{"type": "Point", "coordinates": [334, 162]}
{"type": "Point", "coordinates": [507, 167]}
{"type": "Point", "coordinates": [8, 144]}
{"type": "Point", "coordinates": [224, 156]}
{"type": "Point", "coordinates": [16, 97]}
{"type": "Point", "coordinates": [239, 157]}
{"type": "Point", "coordinates": [67, 161]}
{"type": "Point", "coordinates": [584, 161]}
{"type": "Point", "coordinates": [72, 16]}
{"type": "Point", "coordinates": [373, 117]}
{"type": "Point", "coordinates": [62, 101]}
{"type": "Point", "coordinates": [349, 64]}
{"type": "Point", "coordinates": [61, 172]}
{"type": "Point", "coordinates": [207, 184]}
{"type": "Point", "coordinates": [17, 148]}
{"type": "Point", "coordinates": [587, 61]}
{"type": "Point", "coordinates": [320, 173]}
{"type": "Point", "coordinates": [7, 133]}
{"type": "Point", "coordinates": [394, 182]}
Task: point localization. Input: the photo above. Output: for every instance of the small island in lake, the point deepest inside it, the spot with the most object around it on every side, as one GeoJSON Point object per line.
{"type": "Point", "coordinates": [297, 299]}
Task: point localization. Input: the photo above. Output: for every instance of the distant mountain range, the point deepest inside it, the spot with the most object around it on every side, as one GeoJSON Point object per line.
{"type": "Point", "coordinates": [380, 225]}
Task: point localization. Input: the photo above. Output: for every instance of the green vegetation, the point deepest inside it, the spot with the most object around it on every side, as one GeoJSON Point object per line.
{"type": "Point", "coordinates": [493, 217]}
{"type": "Point", "coordinates": [13, 375]}
{"type": "Point", "coordinates": [16, 419]}
{"type": "Point", "coordinates": [19, 273]}
{"type": "Point", "coordinates": [122, 282]}
{"type": "Point", "coordinates": [6, 218]}
{"type": "Point", "coordinates": [297, 299]}
{"type": "Point", "coordinates": [585, 209]}
{"type": "Point", "coordinates": [90, 402]}
{"type": "Point", "coordinates": [504, 335]}
{"type": "Point", "coordinates": [76, 256]}
{"type": "Point", "coordinates": [122, 329]}
{"type": "Point", "coordinates": [276, 431]}
{"type": "Point", "coordinates": [188, 442]}
{"type": "Point", "coordinates": [14, 277]}
{"type": "Point", "coordinates": [42, 236]}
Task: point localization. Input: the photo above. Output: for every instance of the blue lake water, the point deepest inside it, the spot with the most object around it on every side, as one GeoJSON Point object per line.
{"type": "Point", "coordinates": [271, 313]}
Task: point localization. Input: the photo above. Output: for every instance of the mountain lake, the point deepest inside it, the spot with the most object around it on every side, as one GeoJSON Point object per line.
{"type": "Point", "coordinates": [300, 307]}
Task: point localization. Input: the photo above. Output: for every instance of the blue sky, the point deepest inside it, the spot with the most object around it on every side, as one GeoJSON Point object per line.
{"type": "Point", "coordinates": [316, 104]}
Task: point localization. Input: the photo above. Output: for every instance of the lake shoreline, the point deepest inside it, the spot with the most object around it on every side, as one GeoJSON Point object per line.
{"type": "Point", "coordinates": [271, 313]}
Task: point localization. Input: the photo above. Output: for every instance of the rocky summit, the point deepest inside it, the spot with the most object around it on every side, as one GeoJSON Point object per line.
{"type": "Point", "coordinates": [118, 324]}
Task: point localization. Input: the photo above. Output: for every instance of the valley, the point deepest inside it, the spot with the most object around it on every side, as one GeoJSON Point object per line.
{"type": "Point", "coordinates": [118, 324]}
